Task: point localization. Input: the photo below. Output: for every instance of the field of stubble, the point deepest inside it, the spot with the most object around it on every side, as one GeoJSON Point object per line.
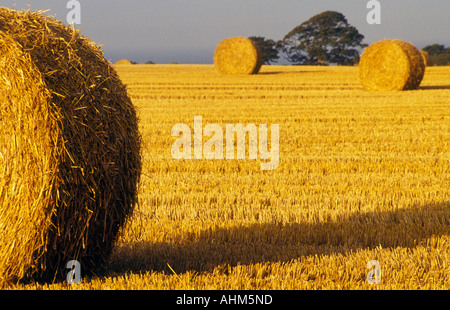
{"type": "Point", "coordinates": [362, 176]}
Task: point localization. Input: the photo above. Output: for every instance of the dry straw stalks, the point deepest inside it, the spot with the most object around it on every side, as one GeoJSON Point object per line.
{"type": "Point", "coordinates": [69, 149]}
{"type": "Point", "coordinates": [123, 62]}
{"type": "Point", "coordinates": [391, 65]}
{"type": "Point", "coordinates": [238, 56]}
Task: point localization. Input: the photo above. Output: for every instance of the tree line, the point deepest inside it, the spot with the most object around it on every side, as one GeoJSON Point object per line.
{"type": "Point", "coordinates": [440, 55]}
{"type": "Point", "coordinates": [327, 39]}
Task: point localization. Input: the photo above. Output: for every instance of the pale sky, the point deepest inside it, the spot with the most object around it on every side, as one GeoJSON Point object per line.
{"type": "Point", "coordinates": [188, 31]}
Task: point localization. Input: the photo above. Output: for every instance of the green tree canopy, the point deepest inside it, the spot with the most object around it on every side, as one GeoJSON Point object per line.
{"type": "Point", "coordinates": [326, 38]}
{"type": "Point", "coordinates": [440, 55]}
{"type": "Point", "coordinates": [434, 49]}
{"type": "Point", "coordinates": [268, 50]}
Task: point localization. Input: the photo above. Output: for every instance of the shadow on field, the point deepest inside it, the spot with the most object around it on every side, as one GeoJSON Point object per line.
{"type": "Point", "coordinates": [286, 72]}
{"type": "Point", "coordinates": [435, 87]}
{"type": "Point", "coordinates": [259, 243]}
{"type": "Point", "coordinates": [271, 73]}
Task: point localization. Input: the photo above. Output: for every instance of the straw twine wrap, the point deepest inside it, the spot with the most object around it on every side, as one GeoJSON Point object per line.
{"type": "Point", "coordinates": [69, 150]}
{"type": "Point", "coordinates": [391, 65]}
{"type": "Point", "coordinates": [238, 56]}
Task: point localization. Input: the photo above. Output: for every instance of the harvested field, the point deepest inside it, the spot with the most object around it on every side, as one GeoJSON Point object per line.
{"type": "Point", "coordinates": [362, 176]}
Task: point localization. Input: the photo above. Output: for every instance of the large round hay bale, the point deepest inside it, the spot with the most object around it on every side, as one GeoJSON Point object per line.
{"type": "Point", "coordinates": [69, 150]}
{"type": "Point", "coordinates": [426, 58]}
{"type": "Point", "coordinates": [391, 65]}
{"type": "Point", "coordinates": [238, 56]}
{"type": "Point", "coordinates": [123, 62]}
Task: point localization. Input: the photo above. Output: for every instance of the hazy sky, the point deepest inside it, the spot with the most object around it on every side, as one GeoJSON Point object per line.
{"type": "Point", "coordinates": [187, 31]}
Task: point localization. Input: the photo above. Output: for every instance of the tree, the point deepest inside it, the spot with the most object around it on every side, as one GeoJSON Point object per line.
{"type": "Point", "coordinates": [268, 50]}
{"type": "Point", "coordinates": [434, 49]}
{"type": "Point", "coordinates": [440, 55]}
{"type": "Point", "coordinates": [326, 38]}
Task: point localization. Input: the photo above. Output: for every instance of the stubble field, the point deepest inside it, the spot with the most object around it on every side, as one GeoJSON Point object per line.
{"type": "Point", "coordinates": [362, 176]}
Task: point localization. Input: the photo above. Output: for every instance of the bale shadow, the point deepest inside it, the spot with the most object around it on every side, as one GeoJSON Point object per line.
{"type": "Point", "coordinates": [260, 243]}
{"type": "Point", "coordinates": [434, 87]}
{"type": "Point", "coordinates": [270, 73]}
{"type": "Point", "coordinates": [288, 72]}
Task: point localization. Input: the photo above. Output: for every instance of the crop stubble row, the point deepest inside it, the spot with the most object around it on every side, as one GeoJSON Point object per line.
{"type": "Point", "coordinates": [362, 176]}
{"type": "Point", "coordinates": [357, 171]}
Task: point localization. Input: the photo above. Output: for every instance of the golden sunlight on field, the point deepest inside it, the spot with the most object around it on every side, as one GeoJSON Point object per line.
{"type": "Point", "coordinates": [362, 176]}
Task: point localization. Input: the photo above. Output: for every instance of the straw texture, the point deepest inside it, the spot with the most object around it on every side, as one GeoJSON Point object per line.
{"type": "Point", "coordinates": [391, 65]}
{"type": "Point", "coordinates": [238, 56]}
{"type": "Point", "coordinates": [123, 62]}
{"type": "Point", "coordinates": [69, 150]}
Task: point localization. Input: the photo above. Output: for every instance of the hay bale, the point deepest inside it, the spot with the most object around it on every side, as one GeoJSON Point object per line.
{"type": "Point", "coordinates": [391, 65]}
{"type": "Point", "coordinates": [123, 62]}
{"type": "Point", "coordinates": [426, 58]}
{"type": "Point", "coordinates": [238, 56]}
{"type": "Point", "coordinates": [69, 150]}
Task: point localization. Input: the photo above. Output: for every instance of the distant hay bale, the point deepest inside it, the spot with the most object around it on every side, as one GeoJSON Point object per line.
{"type": "Point", "coordinates": [426, 58]}
{"type": "Point", "coordinates": [123, 62]}
{"type": "Point", "coordinates": [238, 56]}
{"type": "Point", "coordinates": [69, 150]}
{"type": "Point", "coordinates": [391, 65]}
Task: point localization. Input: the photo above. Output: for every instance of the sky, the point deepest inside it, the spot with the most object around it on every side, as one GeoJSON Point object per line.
{"type": "Point", "coordinates": [188, 31]}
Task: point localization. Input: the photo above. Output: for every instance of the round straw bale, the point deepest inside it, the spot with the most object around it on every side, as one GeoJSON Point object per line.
{"type": "Point", "coordinates": [426, 58]}
{"type": "Point", "coordinates": [123, 62]}
{"type": "Point", "coordinates": [238, 56]}
{"type": "Point", "coordinates": [391, 65]}
{"type": "Point", "coordinates": [69, 150]}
